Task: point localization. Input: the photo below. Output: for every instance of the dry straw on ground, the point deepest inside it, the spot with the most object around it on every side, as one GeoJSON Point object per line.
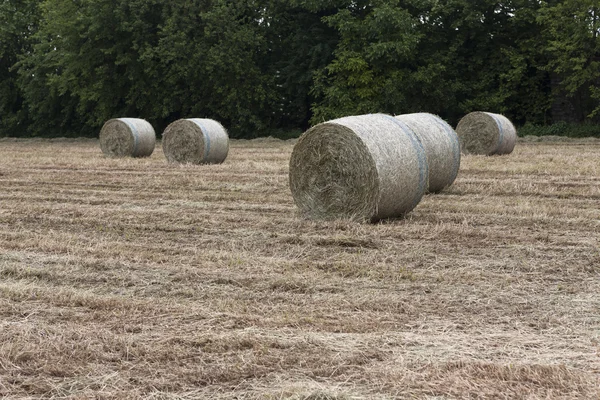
{"type": "Point", "coordinates": [360, 167]}
{"type": "Point", "coordinates": [127, 137]}
{"type": "Point", "coordinates": [486, 134]}
{"type": "Point", "coordinates": [129, 280]}
{"type": "Point", "coordinates": [441, 147]}
{"type": "Point", "coordinates": [195, 141]}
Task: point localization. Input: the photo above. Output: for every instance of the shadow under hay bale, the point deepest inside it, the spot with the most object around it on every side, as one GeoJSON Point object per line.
{"type": "Point", "coordinates": [366, 167]}
{"type": "Point", "coordinates": [127, 137]}
{"type": "Point", "coordinates": [486, 134]}
{"type": "Point", "coordinates": [195, 141]}
{"type": "Point", "coordinates": [441, 146]}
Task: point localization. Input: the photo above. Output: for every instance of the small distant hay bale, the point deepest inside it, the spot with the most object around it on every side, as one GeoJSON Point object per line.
{"type": "Point", "coordinates": [441, 146]}
{"type": "Point", "coordinates": [366, 167]}
{"type": "Point", "coordinates": [195, 141]}
{"type": "Point", "coordinates": [127, 137]}
{"type": "Point", "coordinates": [486, 133]}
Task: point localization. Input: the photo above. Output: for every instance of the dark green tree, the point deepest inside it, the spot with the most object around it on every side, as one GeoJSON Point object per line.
{"type": "Point", "coordinates": [481, 56]}
{"type": "Point", "coordinates": [573, 49]}
{"type": "Point", "coordinates": [95, 60]}
{"type": "Point", "coordinates": [18, 23]}
{"type": "Point", "coordinates": [371, 64]}
{"type": "Point", "coordinates": [238, 90]}
{"type": "Point", "coordinates": [299, 44]}
{"type": "Point", "coordinates": [85, 67]}
{"type": "Point", "coordinates": [263, 66]}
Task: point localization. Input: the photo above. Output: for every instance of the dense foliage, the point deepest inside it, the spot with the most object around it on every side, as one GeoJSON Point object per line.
{"type": "Point", "coordinates": [561, 129]}
{"type": "Point", "coordinates": [270, 66]}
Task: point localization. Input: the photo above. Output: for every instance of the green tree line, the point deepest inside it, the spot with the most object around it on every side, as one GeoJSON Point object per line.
{"type": "Point", "coordinates": [263, 67]}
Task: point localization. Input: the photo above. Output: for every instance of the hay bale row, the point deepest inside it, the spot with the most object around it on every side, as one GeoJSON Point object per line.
{"type": "Point", "coordinates": [366, 167]}
{"type": "Point", "coordinates": [486, 133]}
{"type": "Point", "coordinates": [195, 140]}
{"type": "Point", "coordinates": [441, 146]}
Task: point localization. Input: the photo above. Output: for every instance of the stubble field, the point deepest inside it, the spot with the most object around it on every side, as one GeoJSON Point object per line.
{"type": "Point", "coordinates": [138, 279]}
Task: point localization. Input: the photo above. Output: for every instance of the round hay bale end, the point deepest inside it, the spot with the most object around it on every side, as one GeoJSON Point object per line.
{"type": "Point", "coordinates": [195, 141]}
{"type": "Point", "coordinates": [486, 133]}
{"type": "Point", "coordinates": [441, 146]}
{"type": "Point", "coordinates": [127, 137]}
{"type": "Point", "coordinates": [366, 167]}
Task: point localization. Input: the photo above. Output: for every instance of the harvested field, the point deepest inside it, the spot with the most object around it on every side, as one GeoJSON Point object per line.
{"type": "Point", "coordinates": [130, 278]}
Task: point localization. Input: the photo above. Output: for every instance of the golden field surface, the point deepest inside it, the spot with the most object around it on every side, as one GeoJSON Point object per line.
{"type": "Point", "coordinates": [133, 278]}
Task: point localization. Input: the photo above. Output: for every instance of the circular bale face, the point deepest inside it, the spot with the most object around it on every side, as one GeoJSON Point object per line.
{"type": "Point", "coordinates": [478, 133]}
{"type": "Point", "coordinates": [333, 175]}
{"type": "Point", "coordinates": [366, 167]}
{"type": "Point", "coordinates": [116, 139]}
{"type": "Point", "coordinates": [195, 141]}
{"type": "Point", "coordinates": [127, 137]}
{"type": "Point", "coordinates": [183, 142]}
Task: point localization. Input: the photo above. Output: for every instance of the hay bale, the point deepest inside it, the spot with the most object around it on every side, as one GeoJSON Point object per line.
{"type": "Point", "coordinates": [364, 167]}
{"type": "Point", "coordinates": [441, 147]}
{"type": "Point", "coordinates": [195, 141]}
{"type": "Point", "coordinates": [127, 137]}
{"type": "Point", "coordinates": [486, 133]}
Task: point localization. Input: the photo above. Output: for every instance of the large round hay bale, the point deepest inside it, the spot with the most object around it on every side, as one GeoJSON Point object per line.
{"type": "Point", "coordinates": [486, 133]}
{"type": "Point", "coordinates": [195, 141]}
{"type": "Point", "coordinates": [127, 137]}
{"type": "Point", "coordinates": [364, 167]}
{"type": "Point", "coordinates": [441, 147]}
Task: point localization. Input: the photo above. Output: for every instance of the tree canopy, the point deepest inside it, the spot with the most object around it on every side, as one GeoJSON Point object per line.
{"type": "Point", "coordinates": [267, 66]}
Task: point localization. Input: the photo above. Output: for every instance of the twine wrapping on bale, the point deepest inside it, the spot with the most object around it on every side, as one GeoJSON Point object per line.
{"type": "Point", "coordinates": [441, 147]}
{"type": "Point", "coordinates": [195, 141]}
{"type": "Point", "coordinates": [127, 137]}
{"type": "Point", "coordinates": [486, 133]}
{"type": "Point", "coordinates": [366, 167]}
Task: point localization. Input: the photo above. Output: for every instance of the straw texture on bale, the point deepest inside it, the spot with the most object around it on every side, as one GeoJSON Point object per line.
{"type": "Point", "coordinates": [441, 146]}
{"type": "Point", "coordinates": [195, 141]}
{"type": "Point", "coordinates": [486, 133]}
{"type": "Point", "coordinates": [366, 167]}
{"type": "Point", "coordinates": [127, 137]}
